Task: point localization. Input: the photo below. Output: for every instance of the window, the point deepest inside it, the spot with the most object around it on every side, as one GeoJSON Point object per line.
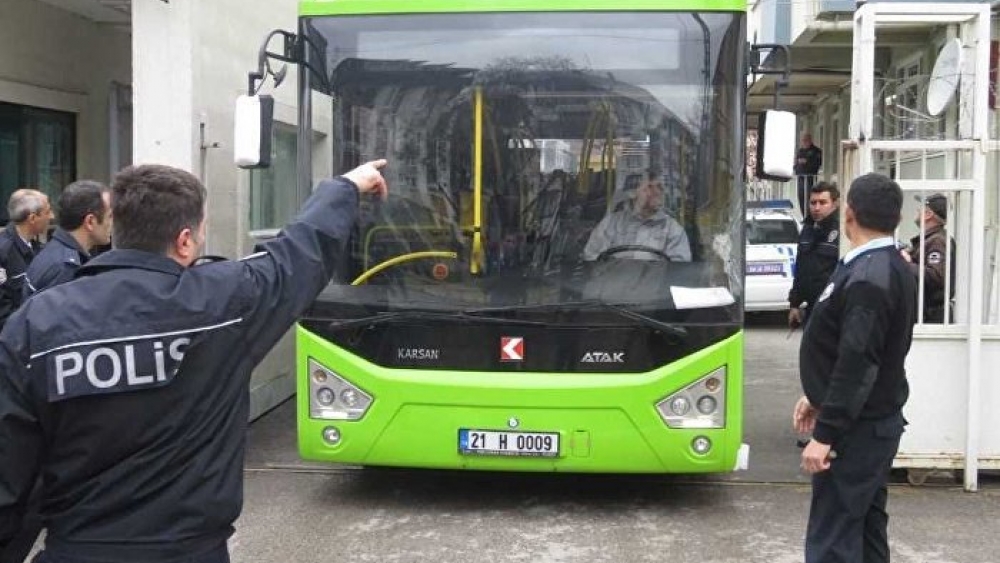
{"type": "Point", "coordinates": [272, 190]}
{"type": "Point", "coordinates": [906, 100]}
{"type": "Point", "coordinates": [772, 231]}
{"type": "Point", "coordinates": [37, 149]}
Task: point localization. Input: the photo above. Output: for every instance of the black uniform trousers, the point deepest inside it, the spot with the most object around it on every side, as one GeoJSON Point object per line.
{"type": "Point", "coordinates": [218, 554]}
{"type": "Point", "coordinates": [847, 518]}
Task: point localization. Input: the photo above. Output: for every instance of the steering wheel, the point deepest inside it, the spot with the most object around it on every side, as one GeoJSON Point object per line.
{"type": "Point", "coordinates": [632, 248]}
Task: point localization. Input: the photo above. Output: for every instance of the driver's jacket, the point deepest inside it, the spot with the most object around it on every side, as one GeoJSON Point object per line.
{"type": "Point", "coordinates": [127, 388]}
{"type": "Point", "coordinates": [624, 228]}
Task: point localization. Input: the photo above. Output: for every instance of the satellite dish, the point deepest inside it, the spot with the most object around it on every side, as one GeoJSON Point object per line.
{"type": "Point", "coordinates": [944, 77]}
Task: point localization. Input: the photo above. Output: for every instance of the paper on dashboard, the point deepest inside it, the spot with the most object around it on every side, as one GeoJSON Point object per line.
{"type": "Point", "coordinates": [700, 297]}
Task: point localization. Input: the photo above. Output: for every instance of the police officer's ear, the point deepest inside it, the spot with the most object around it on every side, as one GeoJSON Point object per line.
{"type": "Point", "coordinates": [187, 245]}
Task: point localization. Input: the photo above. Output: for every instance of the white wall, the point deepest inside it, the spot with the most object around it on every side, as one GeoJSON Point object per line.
{"type": "Point", "coordinates": [228, 35]}
{"type": "Point", "coordinates": [192, 60]}
{"type": "Point", "coordinates": [54, 59]}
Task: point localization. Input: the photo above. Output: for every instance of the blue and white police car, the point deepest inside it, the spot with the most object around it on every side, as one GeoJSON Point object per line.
{"type": "Point", "coordinates": [772, 231]}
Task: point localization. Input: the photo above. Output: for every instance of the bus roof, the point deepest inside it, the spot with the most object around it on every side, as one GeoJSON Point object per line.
{"type": "Point", "coordinates": [384, 7]}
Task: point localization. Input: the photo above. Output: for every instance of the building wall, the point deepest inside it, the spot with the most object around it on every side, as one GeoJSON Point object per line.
{"type": "Point", "coordinates": [191, 62]}
{"type": "Point", "coordinates": [57, 60]}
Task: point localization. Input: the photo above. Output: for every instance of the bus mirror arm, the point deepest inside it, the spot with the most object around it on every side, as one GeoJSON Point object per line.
{"type": "Point", "coordinates": [254, 116]}
{"type": "Point", "coordinates": [782, 67]}
{"type": "Point", "coordinates": [293, 50]}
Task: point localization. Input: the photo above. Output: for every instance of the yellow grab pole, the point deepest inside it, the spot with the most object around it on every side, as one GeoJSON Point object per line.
{"type": "Point", "coordinates": [477, 185]}
{"type": "Point", "coordinates": [399, 260]}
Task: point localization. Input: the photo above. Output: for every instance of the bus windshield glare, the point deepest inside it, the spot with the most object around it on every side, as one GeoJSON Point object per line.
{"type": "Point", "coordinates": [540, 162]}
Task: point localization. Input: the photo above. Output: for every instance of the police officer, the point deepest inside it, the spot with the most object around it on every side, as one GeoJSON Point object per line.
{"type": "Point", "coordinates": [30, 213]}
{"type": "Point", "coordinates": [817, 253]}
{"type": "Point", "coordinates": [84, 222]}
{"type": "Point", "coordinates": [933, 256]}
{"type": "Point", "coordinates": [808, 160]}
{"type": "Point", "coordinates": [127, 389]}
{"type": "Point", "coordinates": [851, 367]}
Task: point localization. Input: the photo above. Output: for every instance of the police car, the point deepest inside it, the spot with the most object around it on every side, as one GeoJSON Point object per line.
{"type": "Point", "coordinates": [772, 230]}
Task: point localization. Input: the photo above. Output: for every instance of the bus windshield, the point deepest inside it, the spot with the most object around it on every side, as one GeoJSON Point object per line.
{"type": "Point", "coordinates": [540, 161]}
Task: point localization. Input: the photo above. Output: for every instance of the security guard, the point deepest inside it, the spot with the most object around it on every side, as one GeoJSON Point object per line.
{"type": "Point", "coordinates": [933, 256]}
{"type": "Point", "coordinates": [851, 366]}
{"type": "Point", "coordinates": [30, 213]}
{"type": "Point", "coordinates": [127, 389]}
{"type": "Point", "coordinates": [817, 253]}
{"type": "Point", "coordinates": [84, 222]}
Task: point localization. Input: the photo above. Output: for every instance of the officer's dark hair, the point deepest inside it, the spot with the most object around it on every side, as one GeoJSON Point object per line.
{"type": "Point", "coordinates": [828, 187]}
{"type": "Point", "coordinates": [79, 199]}
{"type": "Point", "coordinates": [152, 204]}
{"type": "Point", "coordinates": [876, 202]}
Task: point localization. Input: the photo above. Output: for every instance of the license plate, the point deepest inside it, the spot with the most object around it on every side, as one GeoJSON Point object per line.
{"type": "Point", "coordinates": [765, 268]}
{"type": "Point", "coordinates": [491, 442]}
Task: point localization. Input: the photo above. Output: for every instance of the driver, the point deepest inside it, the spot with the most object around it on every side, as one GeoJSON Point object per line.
{"type": "Point", "coordinates": [641, 223]}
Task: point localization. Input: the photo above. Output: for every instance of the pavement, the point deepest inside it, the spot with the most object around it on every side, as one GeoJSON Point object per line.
{"type": "Point", "coordinates": [307, 512]}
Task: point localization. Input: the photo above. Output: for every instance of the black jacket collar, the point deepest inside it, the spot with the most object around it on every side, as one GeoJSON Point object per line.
{"type": "Point", "coordinates": [66, 239]}
{"type": "Point", "coordinates": [128, 258]}
{"type": "Point", "coordinates": [26, 250]}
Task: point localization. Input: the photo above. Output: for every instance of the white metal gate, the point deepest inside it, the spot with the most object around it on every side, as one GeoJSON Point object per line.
{"type": "Point", "coordinates": [951, 423]}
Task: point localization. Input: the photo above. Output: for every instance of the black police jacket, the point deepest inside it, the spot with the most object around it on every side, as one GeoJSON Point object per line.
{"type": "Point", "coordinates": [856, 340]}
{"type": "Point", "coordinates": [128, 388]}
{"type": "Point", "coordinates": [813, 157]}
{"type": "Point", "coordinates": [57, 263]}
{"type": "Point", "coordinates": [15, 256]}
{"type": "Point", "coordinates": [815, 259]}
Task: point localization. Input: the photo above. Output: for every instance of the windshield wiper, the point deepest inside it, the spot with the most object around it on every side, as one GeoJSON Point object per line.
{"type": "Point", "coordinates": [390, 316]}
{"type": "Point", "coordinates": [669, 328]}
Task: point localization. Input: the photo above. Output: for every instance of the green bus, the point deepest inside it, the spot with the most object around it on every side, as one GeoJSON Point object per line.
{"type": "Point", "coordinates": [556, 280]}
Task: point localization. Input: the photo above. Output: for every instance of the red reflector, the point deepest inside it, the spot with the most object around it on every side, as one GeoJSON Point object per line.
{"type": "Point", "coordinates": [439, 271]}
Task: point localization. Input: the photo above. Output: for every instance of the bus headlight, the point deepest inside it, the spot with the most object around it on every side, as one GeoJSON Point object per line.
{"type": "Point", "coordinates": [331, 397]}
{"type": "Point", "coordinates": [680, 406]}
{"type": "Point", "coordinates": [706, 404]}
{"type": "Point", "coordinates": [708, 395]}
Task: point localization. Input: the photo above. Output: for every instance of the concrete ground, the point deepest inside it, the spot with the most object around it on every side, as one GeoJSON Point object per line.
{"type": "Point", "coordinates": [305, 512]}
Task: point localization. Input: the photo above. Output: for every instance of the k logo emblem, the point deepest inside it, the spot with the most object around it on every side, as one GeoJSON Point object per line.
{"type": "Point", "coordinates": [832, 236]}
{"type": "Point", "coordinates": [3, 276]}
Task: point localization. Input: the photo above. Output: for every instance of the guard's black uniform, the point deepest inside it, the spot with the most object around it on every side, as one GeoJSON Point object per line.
{"type": "Point", "coordinates": [129, 389]}
{"type": "Point", "coordinates": [57, 263]}
{"type": "Point", "coordinates": [806, 171]}
{"type": "Point", "coordinates": [815, 259]}
{"type": "Point", "coordinates": [851, 367]}
{"type": "Point", "coordinates": [15, 255]}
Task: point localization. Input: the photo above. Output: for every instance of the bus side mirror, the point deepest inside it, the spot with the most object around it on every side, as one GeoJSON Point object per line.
{"type": "Point", "coordinates": [253, 120]}
{"type": "Point", "coordinates": [776, 145]}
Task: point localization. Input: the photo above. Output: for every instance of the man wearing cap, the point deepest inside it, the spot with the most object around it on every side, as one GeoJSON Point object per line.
{"type": "Point", "coordinates": [933, 256]}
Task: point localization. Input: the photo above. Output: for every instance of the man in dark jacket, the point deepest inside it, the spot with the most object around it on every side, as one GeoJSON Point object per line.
{"type": "Point", "coordinates": [30, 214]}
{"type": "Point", "coordinates": [808, 160]}
{"type": "Point", "coordinates": [851, 366]}
{"type": "Point", "coordinates": [127, 388]}
{"type": "Point", "coordinates": [934, 255]}
{"type": "Point", "coordinates": [817, 253]}
{"type": "Point", "coordinates": [84, 222]}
